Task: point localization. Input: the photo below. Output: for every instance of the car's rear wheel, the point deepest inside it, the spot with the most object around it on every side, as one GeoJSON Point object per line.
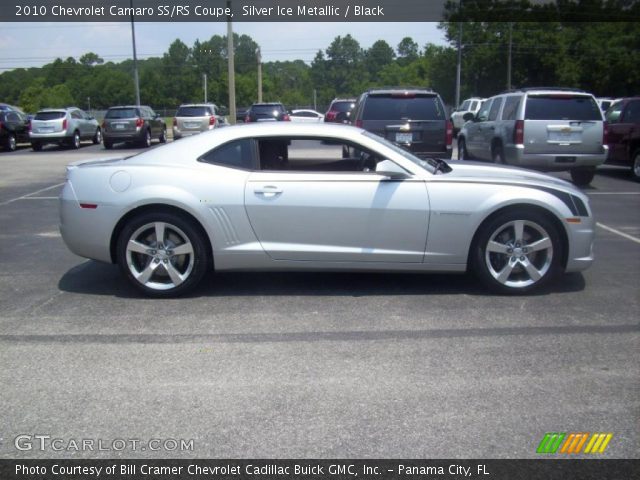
{"type": "Point", "coordinates": [36, 146]}
{"type": "Point", "coordinates": [635, 166]}
{"type": "Point", "coordinates": [11, 143]}
{"type": "Point", "coordinates": [162, 254]}
{"type": "Point", "coordinates": [582, 176]}
{"type": "Point", "coordinates": [75, 140]}
{"type": "Point", "coordinates": [146, 140]}
{"type": "Point", "coordinates": [163, 136]}
{"type": "Point", "coordinates": [497, 154]}
{"type": "Point", "coordinates": [108, 144]}
{"type": "Point", "coordinates": [97, 138]}
{"type": "Point", "coordinates": [517, 251]}
{"type": "Point", "coordinates": [463, 153]}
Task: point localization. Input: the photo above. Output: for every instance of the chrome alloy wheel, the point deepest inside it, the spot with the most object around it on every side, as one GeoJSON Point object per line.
{"type": "Point", "coordinates": [519, 253]}
{"type": "Point", "coordinates": [160, 256]}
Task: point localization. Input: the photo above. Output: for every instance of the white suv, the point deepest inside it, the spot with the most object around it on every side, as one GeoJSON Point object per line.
{"type": "Point", "coordinates": [469, 105]}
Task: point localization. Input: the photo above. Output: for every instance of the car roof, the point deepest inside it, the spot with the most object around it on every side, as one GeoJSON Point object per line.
{"type": "Point", "coordinates": [352, 100]}
{"type": "Point", "coordinates": [129, 106]}
{"type": "Point", "coordinates": [545, 90]}
{"type": "Point", "coordinates": [197, 105]}
{"type": "Point", "coordinates": [266, 103]}
{"type": "Point", "coordinates": [385, 90]}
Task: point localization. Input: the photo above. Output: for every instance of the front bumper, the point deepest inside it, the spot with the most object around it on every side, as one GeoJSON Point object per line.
{"type": "Point", "coordinates": [581, 239]}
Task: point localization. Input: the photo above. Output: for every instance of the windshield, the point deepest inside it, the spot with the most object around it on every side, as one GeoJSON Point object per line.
{"type": "Point", "coordinates": [428, 164]}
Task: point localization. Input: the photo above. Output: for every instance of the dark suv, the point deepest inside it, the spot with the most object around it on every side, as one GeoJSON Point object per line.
{"type": "Point", "coordinates": [623, 119]}
{"type": "Point", "coordinates": [340, 110]}
{"type": "Point", "coordinates": [412, 117]}
{"type": "Point", "coordinates": [267, 112]}
{"type": "Point", "coordinates": [134, 124]}
{"type": "Point", "coordinates": [14, 128]}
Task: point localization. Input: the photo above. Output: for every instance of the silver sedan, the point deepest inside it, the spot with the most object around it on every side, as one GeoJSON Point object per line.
{"type": "Point", "coordinates": [284, 196]}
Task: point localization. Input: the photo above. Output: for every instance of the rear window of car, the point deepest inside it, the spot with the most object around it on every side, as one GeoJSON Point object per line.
{"type": "Point", "coordinates": [396, 108]}
{"type": "Point", "coordinates": [49, 115]}
{"type": "Point", "coordinates": [342, 106]}
{"type": "Point", "coordinates": [121, 113]}
{"type": "Point", "coordinates": [267, 109]}
{"type": "Point", "coordinates": [561, 107]}
{"type": "Point", "coordinates": [194, 111]}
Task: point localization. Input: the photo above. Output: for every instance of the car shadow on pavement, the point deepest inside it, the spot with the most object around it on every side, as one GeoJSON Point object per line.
{"type": "Point", "coordinates": [95, 278]}
{"type": "Point", "coordinates": [622, 173]}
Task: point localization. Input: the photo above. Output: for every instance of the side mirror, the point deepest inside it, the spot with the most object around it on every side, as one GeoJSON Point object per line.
{"type": "Point", "coordinates": [468, 116]}
{"type": "Point", "coordinates": [391, 169]}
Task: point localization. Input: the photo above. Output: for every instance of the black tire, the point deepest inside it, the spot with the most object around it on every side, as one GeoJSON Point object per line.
{"type": "Point", "coordinates": [582, 176]}
{"type": "Point", "coordinates": [512, 272]}
{"type": "Point", "coordinates": [146, 139]}
{"type": "Point", "coordinates": [497, 154]}
{"type": "Point", "coordinates": [10, 146]}
{"type": "Point", "coordinates": [108, 144]}
{"type": "Point", "coordinates": [36, 146]}
{"type": "Point", "coordinates": [463, 153]}
{"type": "Point", "coordinates": [97, 138]}
{"type": "Point", "coordinates": [75, 140]}
{"type": "Point", "coordinates": [160, 258]}
{"type": "Point", "coordinates": [635, 166]}
{"type": "Point", "coordinates": [163, 136]}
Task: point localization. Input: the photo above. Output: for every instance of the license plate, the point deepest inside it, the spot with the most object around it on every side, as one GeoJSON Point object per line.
{"type": "Point", "coordinates": [45, 129]}
{"type": "Point", "coordinates": [191, 124]}
{"type": "Point", "coordinates": [404, 137]}
{"type": "Point", "coordinates": [565, 136]}
{"type": "Point", "coordinates": [119, 126]}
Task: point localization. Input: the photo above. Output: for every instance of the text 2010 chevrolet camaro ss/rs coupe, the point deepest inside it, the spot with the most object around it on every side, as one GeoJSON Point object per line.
{"type": "Point", "coordinates": [283, 196]}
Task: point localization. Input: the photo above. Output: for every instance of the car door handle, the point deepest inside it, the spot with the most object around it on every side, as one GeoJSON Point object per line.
{"type": "Point", "coordinates": [268, 191]}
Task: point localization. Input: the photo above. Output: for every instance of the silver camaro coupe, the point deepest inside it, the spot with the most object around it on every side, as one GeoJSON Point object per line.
{"type": "Point", "coordinates": [281, 196]}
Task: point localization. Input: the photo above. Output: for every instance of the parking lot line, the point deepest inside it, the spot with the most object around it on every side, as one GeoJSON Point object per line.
{"type": "Point", "coordinates": [613, 193]}
{"type": "Point", "coordinates": [30, 194]}
{"type": "Point", "coordinates": [618, 232]}
{"type": "Point", "coordinates": [39, 198]}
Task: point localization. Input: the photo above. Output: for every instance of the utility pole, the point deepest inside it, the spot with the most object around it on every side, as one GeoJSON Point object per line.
{"type": "Point", "coordinates": [509, 56]}
{"type": "Point", "coordinates": [231, 68]}
{"type": "Point", "coordinates": [259, 75]}
{"type": "Point", "coordinates": [315, 99]}
{"type": "Point", "coordinates": [135, 57]}
{"type": "Point", "coordinates": [204, 78]}
{"type": "Point", "coordinates": [459, 63]}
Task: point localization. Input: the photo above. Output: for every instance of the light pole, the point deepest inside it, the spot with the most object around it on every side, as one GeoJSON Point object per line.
{"type": "Point", "coordinates": [135, 57]}
{"type": "Point", "coordinates": [459, 63]}
{"type": "Point", "coordinates": [231, 68]}
{"type": "Point", "coordinates": [259, 74]}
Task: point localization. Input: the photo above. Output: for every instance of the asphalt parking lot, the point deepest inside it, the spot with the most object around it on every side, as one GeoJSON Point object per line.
{"type": "Point", "coordinates": [310, 365]}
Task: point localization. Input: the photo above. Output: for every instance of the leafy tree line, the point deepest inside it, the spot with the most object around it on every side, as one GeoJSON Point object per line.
{"type": "Point", "coordinates": [600, 57]}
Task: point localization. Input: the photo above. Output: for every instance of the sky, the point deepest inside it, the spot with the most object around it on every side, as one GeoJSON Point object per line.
{"type": "Point", "coordinates": [35, 44]}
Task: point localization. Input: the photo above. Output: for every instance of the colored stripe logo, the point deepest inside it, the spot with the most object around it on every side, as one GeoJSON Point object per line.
{"type": "Point", "coordinates": [572, 443]}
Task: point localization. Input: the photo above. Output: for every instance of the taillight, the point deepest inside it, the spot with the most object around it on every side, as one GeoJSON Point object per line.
{"type": "Point", "coordinates": [104, 125]}
{"type": "Point", "coordinates": [64, 124]}
{"type": "Point", "coordinates": [449, 134]}
{"type": "Point", "coordinates": [0, 125]}
{"type": "Point", "coordinates": [331, 116]}
{"type": "Point", "coordinates": [175, 122]}
{"type": "Point", "coordinates": [29, 125]}
{"type": "Point", "coordinates": [212, 120]}
{"type": "Point", "coordinates": [605, 133]}
{"type": "Point", "coordinates": [139, 122]}
{"type": "Point", "coordinates": [518, 132]}
{"type": "Point", "coordinates": [359, 123]}
{"type": "Point", "coordinates": [247, 119]}
{"type": "Point", "coordinates": [285, 118]}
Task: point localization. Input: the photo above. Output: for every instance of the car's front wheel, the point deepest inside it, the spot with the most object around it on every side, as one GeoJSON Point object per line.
{"type": "Point", "coordinates": [162, 254]}
{"type": "Point", "coordinates": [517, 251]}
{"type": "Point", "coordinates": [11, 143]}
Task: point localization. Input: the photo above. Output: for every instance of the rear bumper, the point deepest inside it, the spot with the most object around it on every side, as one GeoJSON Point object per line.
{"type": "Point", "coordinates": [124, 136]}
{"type": "Point", "coordinates": [516, 155]}
{"type": "Point", "coordinates": [54, 137]}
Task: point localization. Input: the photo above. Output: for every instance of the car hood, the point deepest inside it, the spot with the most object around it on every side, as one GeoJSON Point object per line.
{"type": "Point", "coordinates": [475, 171]}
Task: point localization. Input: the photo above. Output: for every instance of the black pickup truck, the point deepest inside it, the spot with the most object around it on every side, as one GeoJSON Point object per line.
{"type": "Point", "coordinates": [623, 119]}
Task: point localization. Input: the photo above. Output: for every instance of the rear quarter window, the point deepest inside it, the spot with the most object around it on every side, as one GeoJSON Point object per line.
{"type": "Point", "coordinates": [510, 109]}
{"type": "Point", "coordinates": [632, 113]}
{"type": "Point", "coordinates": [562, 107]}
{"type": "Point", "coordinates": [397, 108]}
{"type": "Point", "coordinates": [235, 154]}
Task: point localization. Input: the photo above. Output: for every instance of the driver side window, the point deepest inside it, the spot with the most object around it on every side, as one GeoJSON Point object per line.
{"type": "Point", "coordinates": [314, 155]}
{"type": "Point", "coordinates": [483, 114]}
